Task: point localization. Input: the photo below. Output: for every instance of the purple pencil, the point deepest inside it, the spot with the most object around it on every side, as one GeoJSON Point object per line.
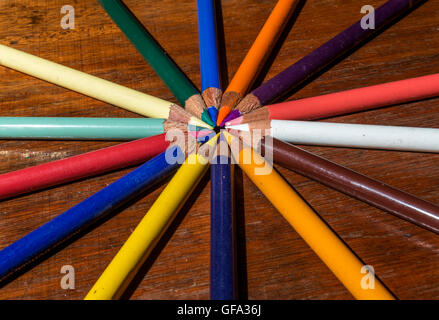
{"type": "Point", "coordinates": [321, 57]}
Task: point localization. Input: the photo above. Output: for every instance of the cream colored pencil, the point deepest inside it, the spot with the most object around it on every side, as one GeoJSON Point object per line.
{"type": "Point", "coordinates": [94, 87]}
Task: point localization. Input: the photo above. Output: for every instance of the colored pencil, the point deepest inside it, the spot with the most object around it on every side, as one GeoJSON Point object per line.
{"type": "Point", "coordinates": [54, 128]}
{"type": "Point", "coordinates": [95, 87]}
{"type": "Point", "coordinates": [203, 139]}
{"type": "Point", "coordinates": [349, 101]}
{"type": "Point", "coordinates": [209, 60]}
{"type": "Point", "coordinates": [124, 266]}
{"type": "Point", "coordinates": [347, 135]}
{"type": "Point", "coordinates": [89, 164]}
{"type": "Point", "coordinates": [256, 57]}
{"type": "Point", "coordinates": [322, 240]}
{"type": "Point", "coordinates": [373, 192]}
{"type": "Point", "coordinates": [222, 231]}
{"type": "Point", "coordinates": [182, 88]}
{"type": "Point", "coordinates": [201, 134]}
{"type": "Point", "coordinates": [61, 228]}
{"type": "Point", "coordinates": [323, 56]}
{"type": "Point", "coordinates": [222, 253]}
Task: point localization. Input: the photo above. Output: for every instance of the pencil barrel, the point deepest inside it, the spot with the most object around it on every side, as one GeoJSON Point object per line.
{"type": "Point", "coordinates": [84, 165]}
{"type": "Point", "coordinates": [262, 47]}
{"type": "Point", "coordinates": [61, 228]}
{"type": "Point", "coordinates": [150, 49]}
{"type": "Point", "coordinates": [124, 266]}
{"type": "Point", "coordinates": [355, 100]}
{"type": "Point", "coordinates": [332, 250]}
{"type": "Point", "coordinates": [207, 38]}
{"type": "Point", "coordinates": [222, 232]}
{"type": "Point", "coordinates": [60, 128]}
{"type": "Point", "coordinates": [357, 135]}
{"type": "Point", "coordinates": [84, 83]}
{"type": "Point", "coordinates": [321, 57]}
{"type": "Point", "coordinates": [399, 203]}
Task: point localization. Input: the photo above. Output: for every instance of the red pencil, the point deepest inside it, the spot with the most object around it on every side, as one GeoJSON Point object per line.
{"type": "Point", "coordinates": [349, 101]}
{"type": "Point", "coordinates": [85, 165]}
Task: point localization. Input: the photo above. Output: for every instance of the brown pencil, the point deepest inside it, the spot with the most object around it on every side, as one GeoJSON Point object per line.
{"type": "Point", "coordinates": [376, 193]}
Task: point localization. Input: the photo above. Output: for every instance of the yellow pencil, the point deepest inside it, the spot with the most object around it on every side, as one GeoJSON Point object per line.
{"type": "Point", "coordinates": [136, 249]}
{"type": "Point", "coordinates": [325, 243]}
{"type": "Point", "coordinates": [95, 87]}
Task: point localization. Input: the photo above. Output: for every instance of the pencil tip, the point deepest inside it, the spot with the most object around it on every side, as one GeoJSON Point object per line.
{"type": "Point", "coordinates": [199, 123]}
{"type": "Point", "coordinates": [222, 114]}
{"type": "Point", "coordinates": [205, 116]}
{"type": "Point", "coordinates": [234, 122]}
{"type": "Point", "coordinates": [238, 127]}
{"type": "Point", "coordinates": [213, 112]}
{"type": "Point", "coordinates": [231, 116]}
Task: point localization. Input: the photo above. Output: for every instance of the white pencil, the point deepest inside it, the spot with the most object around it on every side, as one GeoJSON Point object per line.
{"type": "Point", "coordinates": [95, 87]}
{"type": "Point", "coordinates": [348, 135]}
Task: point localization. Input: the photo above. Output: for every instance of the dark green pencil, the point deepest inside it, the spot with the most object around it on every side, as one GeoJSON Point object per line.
{"type": "Point", "coordinates": [182, 88]}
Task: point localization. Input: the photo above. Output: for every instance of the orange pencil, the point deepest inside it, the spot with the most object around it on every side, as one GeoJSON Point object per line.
{"type": "Point", "coordinates": [256, 56]}
{"type": "Point", "coordinates": [317, 234]}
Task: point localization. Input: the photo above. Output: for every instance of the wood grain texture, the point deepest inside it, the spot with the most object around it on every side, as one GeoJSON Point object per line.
{"type": "Point", "coordinates": [274, 262]}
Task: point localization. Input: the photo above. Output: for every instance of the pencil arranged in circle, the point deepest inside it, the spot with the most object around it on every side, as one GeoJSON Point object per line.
{"type": "Point", "coordinates": [124, 266]}
{"type": "Point", "coordinates": [62, 128]}
{"type": "Point", "coordinates": [202, 136]}
{"type": "Point", "coordinates": [222, 238]}
{"type": "Point", "coordinates": [89, 164]}
{"type": "Point", "coordinates": [317, 234]}
{"type": "Point", "coordinates": [222, 226]}
{"type": "Point", "coordinates": [347, 135]}
{"type": "Point", "coordinates": [349, 101]}
{"type": "Point", "coordinates": [95, 87]}
{"type": "Point", "coordinates": [321, 57]}
{"type": "Point", "coordinates": [179, 84]}
{"type": "Point", "coordinates": [62, 227]}
{"type": "Point", "coordinates": [256, 57]}
{"type": "Point", "coordinates": [376, 193]}
{"type": "Point", "coordinates": [209, 60]}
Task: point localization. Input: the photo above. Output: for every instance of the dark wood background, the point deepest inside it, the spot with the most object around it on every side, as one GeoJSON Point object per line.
{"type": "Point", "coordinates": [274, 262]}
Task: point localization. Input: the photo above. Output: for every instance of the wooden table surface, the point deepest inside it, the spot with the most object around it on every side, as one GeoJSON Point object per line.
{"type": "Point", "coordinates": [274, 262]}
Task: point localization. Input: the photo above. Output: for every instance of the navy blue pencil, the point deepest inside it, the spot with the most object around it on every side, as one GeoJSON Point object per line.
{"type": "Point", "coordinates": [209, 61]}
{"type": "Point", "coordinates": [222, 232]}
{"type": "Point", "coordinates": [222, 248]}
{"type": "Point", "coordinates": [59, 229]}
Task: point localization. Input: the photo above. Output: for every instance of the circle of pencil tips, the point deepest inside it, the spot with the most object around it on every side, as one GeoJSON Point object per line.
{"type": "Point", "coordinates": [217, 129]}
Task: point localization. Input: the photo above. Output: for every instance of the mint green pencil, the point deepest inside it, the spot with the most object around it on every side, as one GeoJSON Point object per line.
{"type": "Point", "coordinates": [54, 128]}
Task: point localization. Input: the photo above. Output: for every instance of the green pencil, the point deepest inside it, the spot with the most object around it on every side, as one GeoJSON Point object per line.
{"type": "Point", "coordinates": [182, 88]}
{"type": "Point", "coordinates": [79, 128]}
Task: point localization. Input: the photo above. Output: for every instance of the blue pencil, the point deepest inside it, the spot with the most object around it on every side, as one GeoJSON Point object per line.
{"type": "Point", "coordinates": [222, 233]}
{"type": "Point", "coordinates": [59, 229]}
{"type": "Point", "coordinates": [222, 248]}
{"type": "Point", "coordinates": [209, 61]}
